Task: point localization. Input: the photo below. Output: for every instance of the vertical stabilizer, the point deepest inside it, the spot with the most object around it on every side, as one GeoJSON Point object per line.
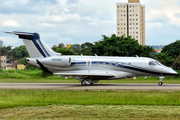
{"type": "Point", "coordinates": [35, 47]}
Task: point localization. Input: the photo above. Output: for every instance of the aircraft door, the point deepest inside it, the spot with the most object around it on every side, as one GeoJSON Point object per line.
{"type": "Point", "coordinates": [88, 64]}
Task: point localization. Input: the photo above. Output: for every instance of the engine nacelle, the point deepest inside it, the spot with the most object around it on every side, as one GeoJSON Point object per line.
{"type": "Point", "coordinates": [57, 61]}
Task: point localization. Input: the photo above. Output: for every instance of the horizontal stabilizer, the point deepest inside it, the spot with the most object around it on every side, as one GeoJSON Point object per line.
{"type": "Point", "coordinates": [86, 74]}
{"type": "Point", "coordinates": [20, 33]}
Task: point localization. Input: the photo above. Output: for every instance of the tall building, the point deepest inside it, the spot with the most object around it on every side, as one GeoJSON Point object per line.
{"type": "Point", "coordinates": [131, 20]}
{"type": "Point", "coordinates": [1, 43]}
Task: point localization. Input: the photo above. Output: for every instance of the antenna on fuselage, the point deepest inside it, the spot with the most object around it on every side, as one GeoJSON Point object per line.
{"type": "Point", "coordinates": [95, 55]}
{"type": "Point", "coordinates": [137, 56]}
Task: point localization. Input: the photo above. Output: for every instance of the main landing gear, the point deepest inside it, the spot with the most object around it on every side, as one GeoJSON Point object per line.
{"type": "Point", "coordinates": [160, 83]}
{"type": "Point", "coordinates": [84, 82]}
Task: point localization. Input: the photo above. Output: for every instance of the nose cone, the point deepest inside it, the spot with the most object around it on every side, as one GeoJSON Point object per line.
{"type": "Point", "coordinates": [169, 72]}
{"type": "Point", "coordinates": [172, 73]}
{"type": "Point", "coordinates": [175, 73]}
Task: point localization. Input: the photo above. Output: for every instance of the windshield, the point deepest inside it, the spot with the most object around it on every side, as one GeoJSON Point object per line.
{"type": "Point", "coordinates": [158, 63]}
{"type": "Point", "coordinates": [152, 63]}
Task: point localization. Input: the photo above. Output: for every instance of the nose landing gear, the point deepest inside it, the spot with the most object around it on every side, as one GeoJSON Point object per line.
{"type": "Point", "coordinates": [160, 83]}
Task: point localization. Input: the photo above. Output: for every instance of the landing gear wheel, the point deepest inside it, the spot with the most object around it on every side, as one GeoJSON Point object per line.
{"type": "Point", "coordinates": [83, 83]}
{"type": "Point", "coordinates": [91, 84]}
{"type": "Point", "coordinates": [160, 83]}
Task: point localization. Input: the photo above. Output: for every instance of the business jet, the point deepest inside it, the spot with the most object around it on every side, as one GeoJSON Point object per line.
{"type": "Point", "coordinates": [89, 69]}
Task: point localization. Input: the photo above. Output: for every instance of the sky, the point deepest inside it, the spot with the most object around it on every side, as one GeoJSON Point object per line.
{"type": "Point", "coordinates": [80, 21]}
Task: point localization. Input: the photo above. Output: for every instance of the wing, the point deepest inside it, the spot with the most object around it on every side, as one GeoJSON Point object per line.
{"type": "Point", "coordinates": [86, 74]}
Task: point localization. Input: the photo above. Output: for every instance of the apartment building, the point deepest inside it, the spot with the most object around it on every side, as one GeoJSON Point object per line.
{"type": "Point", "coordinates": [3, 62]}
{"type": "Point", "coordinates": [131, 20]}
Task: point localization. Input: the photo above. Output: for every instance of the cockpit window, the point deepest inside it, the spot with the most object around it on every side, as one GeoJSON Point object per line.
{"type": "Point", "coordinates": [152, 63]}
{"type": "Point", "coordinates": [158, 63]}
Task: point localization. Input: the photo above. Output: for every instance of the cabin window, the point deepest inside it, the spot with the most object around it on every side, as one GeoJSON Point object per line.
{"type": "Point", "coordinates": [153, 63]}
{"type": "Point", "coordinates": [116, 64]}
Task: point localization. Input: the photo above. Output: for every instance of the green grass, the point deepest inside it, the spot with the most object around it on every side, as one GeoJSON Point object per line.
{"type": "Point", "coordinates": [14, 98]}
{"type": "Point", "coordinates": [92, 112]}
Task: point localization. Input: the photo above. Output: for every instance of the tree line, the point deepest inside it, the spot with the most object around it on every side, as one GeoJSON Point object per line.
{"type": "Point", "coordinates": [107, 46]}
{"type": "Point", "coordinates": [13, 54]}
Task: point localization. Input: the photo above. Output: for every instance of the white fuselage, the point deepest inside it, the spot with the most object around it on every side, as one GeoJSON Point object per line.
{"type": "Point", "coordinates": [121, 67]}
{"type": "Point", "coordinates": [89, 69]}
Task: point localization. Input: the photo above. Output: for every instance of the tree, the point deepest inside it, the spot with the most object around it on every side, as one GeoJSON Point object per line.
{"type": "Point", "coordinates": [176, 63]}
{"type": "Point", "coordinates": [172, 49]}
{"type": "Point", "coordinates": [5, 51]}
{"type": "Point", "coordinates": [86, 48]}
{"type": "Point", "coordinates": [65, 51]}
{"type": "Point", "coordinates": [19, 52]}
{"type": "Point", "coordinates": [75, 47]}
{"type": "Point", "coordinates": [61, 45]}
{"type": "Point", "coordinates": [164, 58]}
{"type": "Point", "coordinates": [120, 46]}
{"type": "Point", "coordinates": [86, 45]}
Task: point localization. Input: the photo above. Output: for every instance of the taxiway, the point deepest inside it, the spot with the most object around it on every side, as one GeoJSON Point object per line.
{"type": "Point", "coordinates": [99, 86]}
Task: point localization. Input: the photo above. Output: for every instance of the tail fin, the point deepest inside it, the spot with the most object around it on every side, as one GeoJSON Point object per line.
{"type": "Point", "coordinates": [35, 47]}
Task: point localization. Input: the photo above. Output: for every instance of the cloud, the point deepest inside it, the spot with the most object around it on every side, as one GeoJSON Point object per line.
{"type": "Point", "coordinates": [157, 16]}
{"type": "Point", "coordinates": [177, 15]}
{"type": "Point", "coordinates": [71, 2]}
{"type": "Point", "coordinates": [59, 18]}
{"type": "Point", "coordinates": [97, 22]}
{"type": "Point", "coordinates": [154, 25]}
{"type": "Point", "coordinates": [10, 23]}
{"type": "Point", "coordinates": [14, 3]}
{"type": "Point", "coordinates": [46, 25]}
{"type": "Point", "coordinates": [11, 40]}
{"type": "Point", "coordinates": [66, 10]}
{"type": "Point", "coordinates": [79, 21]}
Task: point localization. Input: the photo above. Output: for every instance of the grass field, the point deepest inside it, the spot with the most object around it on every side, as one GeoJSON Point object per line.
{"type": "Point", "coordinates": [49, 104]}
{"type": "Point", "coordinates": [15, 98]}
{"type": "Point", "coordinates": [92, 112]}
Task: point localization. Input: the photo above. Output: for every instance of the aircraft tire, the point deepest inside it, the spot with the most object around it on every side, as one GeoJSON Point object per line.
{"type": "Point", "coordinates": [83, 83]}
{"type": "Point", "coordinates": [160, 83]}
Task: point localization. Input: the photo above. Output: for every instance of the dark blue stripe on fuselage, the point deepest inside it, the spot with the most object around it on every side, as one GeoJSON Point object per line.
{"type": "Point", "coordinates": [135, 68]}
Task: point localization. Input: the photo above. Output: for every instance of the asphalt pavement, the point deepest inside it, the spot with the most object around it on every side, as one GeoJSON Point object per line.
{"type": "Point", "coordinates": [98, 86]}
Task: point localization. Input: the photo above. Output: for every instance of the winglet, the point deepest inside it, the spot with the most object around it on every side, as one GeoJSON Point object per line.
{"type": "Point", "coordinates": [44, 68]}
